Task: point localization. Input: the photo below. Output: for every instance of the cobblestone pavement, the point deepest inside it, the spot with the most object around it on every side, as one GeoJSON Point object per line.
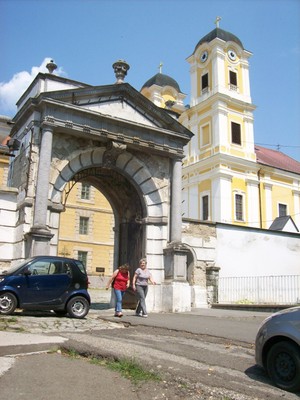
{"type": "Point", "coordinates": [43, 322]}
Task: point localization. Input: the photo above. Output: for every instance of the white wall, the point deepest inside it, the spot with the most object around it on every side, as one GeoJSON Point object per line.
{"type": "Point", "coordinates": [256, 252]}
{"type": "Point", "coordinates": [8, 219]}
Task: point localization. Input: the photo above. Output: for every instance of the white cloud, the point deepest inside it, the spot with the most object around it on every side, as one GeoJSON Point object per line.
{"type": "Point", "coordinates": [11, 91]}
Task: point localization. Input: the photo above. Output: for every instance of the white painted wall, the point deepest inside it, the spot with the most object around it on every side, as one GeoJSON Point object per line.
{"type": "Point", "coordinates": [256, 252]}
{"type": "Point", "coordinates": [8, 220]}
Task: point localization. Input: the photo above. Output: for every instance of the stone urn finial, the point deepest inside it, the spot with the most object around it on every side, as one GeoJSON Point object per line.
{"type": "Point", "coordinates": [51, 66]}
{"type": "Point", "coordinates": [120, 67]}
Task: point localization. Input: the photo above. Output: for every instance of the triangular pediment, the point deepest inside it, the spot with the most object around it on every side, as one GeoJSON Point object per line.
{"type": "Point", "coordinates": [120, 101]}
{"type": "Point", "coordinates": [118, 109]}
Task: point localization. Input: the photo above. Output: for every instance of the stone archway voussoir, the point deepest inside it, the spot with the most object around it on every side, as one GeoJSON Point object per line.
{"type": "Point", "coordinates": [97, 156]}
{"type": "Point", "coordinates": [86, 159]}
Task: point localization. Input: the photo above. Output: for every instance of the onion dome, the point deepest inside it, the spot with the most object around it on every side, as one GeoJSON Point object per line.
{"type": "Point", "coordinates": [220, 34]}
{"type": "Point", "coordinates": [162, 81]}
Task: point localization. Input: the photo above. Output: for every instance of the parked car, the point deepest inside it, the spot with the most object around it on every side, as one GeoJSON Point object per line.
{"type": "Point", "coordinates": [277, 348]}
{"type": "Point", "coordinates": [46, 283]}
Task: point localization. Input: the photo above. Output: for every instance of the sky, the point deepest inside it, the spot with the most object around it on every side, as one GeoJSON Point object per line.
{"type": "Point", "coordinates": [85, 37]}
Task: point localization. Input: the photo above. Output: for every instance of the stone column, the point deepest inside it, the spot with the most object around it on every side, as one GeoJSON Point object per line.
{"type": "Point", "coordinates": [175, 254]}
{"type": "Point", "coordinates": [39, 234]}
{"type": "Point", "coordinates": [176, 218]}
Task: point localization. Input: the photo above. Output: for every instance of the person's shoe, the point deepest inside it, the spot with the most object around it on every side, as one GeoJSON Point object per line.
{"type": "Point", "coordinates": [140, 314]}
{"type": "Point", "coordinates": [145, 315]}
{"type": "Point", "coordinates": [120, 315]}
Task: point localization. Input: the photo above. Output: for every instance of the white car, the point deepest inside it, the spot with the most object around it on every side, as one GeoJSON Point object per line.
{"type": "Point", "coordinates": [277, 348]}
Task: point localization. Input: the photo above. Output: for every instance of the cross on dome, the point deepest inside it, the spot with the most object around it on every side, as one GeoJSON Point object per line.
{"type": "Point", "coordinates": [217, 21]}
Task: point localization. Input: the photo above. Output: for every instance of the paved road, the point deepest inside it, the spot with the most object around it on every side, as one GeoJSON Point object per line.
{"type": "Point", "coordinates": [205, 354]}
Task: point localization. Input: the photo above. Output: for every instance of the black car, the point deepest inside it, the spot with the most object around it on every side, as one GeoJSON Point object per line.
{"type": "Point", "coordinates": [46, 283]}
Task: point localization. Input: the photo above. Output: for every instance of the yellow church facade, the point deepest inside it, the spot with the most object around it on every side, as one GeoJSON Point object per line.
{"type": "Point", "coordinates": [226, 177]}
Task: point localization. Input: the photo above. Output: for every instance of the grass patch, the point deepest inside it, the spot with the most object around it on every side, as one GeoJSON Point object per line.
{"type": "Point", "coordinates": [7, 323]}
{"type": "Point", "coordinates": [129, 369]}
{"type": "Point", "coordinates": [71, 353]}
{"type": "Point", "coordinates": [12, 320]}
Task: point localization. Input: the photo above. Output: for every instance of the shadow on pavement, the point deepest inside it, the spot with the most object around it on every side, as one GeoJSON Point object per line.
{"type": "Point", "coordinates": [258, 374]}
{"type": "Point", "coordinates": [100, 306]}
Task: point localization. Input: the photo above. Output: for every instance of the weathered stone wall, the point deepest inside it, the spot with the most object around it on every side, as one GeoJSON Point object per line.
{"type": "Point", "coordinates": [200, 239]}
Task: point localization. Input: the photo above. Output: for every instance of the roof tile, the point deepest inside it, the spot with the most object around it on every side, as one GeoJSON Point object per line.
{"type": "Point", "coordinates": [276, 159]}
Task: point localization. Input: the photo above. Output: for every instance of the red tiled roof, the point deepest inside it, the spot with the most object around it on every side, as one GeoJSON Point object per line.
{"type": "Point", "coordinates": [276, 159]}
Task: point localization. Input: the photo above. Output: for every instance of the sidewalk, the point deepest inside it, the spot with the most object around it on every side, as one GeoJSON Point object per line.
{"type": "Point", "coordinates": [46, 331]}
{"type": "Point", "coordinates": [20, 343]}
{"type": "Point", "coordinates": [38, 331]}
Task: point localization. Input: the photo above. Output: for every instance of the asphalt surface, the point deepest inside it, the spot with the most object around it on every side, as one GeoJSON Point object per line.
{"type": "Point", "coordinates": [32, 364]}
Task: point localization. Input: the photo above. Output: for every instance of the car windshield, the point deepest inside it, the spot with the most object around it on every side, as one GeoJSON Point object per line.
{"type": "Point", "coordinates": [13, 269]}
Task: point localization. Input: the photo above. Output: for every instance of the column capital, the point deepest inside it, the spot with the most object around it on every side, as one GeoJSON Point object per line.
{"type": "Point", "coordinates": [252, 181]}
{"type": "Point", "coordinates": [48, 123]}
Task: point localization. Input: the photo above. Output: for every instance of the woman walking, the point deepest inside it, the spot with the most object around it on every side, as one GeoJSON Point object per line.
{"type": "Point", "coordinates": [119, 281]}
{"type": "Point", "coordinates": [140, 285]}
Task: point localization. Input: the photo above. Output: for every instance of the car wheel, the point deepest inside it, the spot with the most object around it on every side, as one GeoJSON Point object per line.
{"type": "Point", "coordinates": [8, 303]}
{"type": "Point", "coordinates": [78, 307]}
{"type": "Point", "coordinates": [283, 365]}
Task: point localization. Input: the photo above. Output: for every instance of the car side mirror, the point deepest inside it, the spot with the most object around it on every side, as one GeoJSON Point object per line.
{"type": "Point", "coordinates": [27, 272]}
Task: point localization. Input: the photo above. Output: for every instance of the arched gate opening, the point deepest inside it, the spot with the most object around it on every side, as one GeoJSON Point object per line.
{"type": "Point", "coordinates": [128, 212]}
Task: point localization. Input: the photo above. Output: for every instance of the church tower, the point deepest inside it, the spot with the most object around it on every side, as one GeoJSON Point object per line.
{"type": "Point", "coordinates": [164, 92]}
{"type": "Point", "coordinates": [220, 174]}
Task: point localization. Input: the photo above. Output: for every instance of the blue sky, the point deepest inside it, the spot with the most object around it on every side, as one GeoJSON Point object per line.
{"type": "Point", "coordinates": [86, 37]}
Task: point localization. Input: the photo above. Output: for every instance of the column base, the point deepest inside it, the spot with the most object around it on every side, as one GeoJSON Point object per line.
{"type": "Point", "coordinates": [38, 241]}
{"type": "Point", "coordinates": [175, 260]}
{"type": "Point", "coordinates": [169, 297]}
{"type": "Point", "coordinates": [199, 297]}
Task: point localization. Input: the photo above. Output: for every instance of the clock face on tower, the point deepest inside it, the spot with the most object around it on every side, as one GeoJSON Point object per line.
{"type": "Point", "coordinates": [231, 54]}
{"type": "Point", "coordinates": [204, 56]}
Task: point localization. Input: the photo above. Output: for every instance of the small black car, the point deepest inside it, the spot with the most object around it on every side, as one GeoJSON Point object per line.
{"type": "Point", "coordinates": [46, 283]}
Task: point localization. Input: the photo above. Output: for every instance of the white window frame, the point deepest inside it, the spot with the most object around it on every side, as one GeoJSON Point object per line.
{"type": "Point", "coordinates": [241, 134]}
{"type": "Point", "coordinates": [87, 257]}
{"type": "Point", "coordinates": [81, 218]}
{"type": "Point", "coordinates": [85, 191]}
{"type": "Point", "coordinates": [282, 204]}
{"type": "Point", "coordinates": [232, 87]}
{"type": "Point", "coordinates": [203, 194]}
{"type": "Point", "coordinates": [242, 194]}
{"type": "Point", "coordinates": [206, 89]}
